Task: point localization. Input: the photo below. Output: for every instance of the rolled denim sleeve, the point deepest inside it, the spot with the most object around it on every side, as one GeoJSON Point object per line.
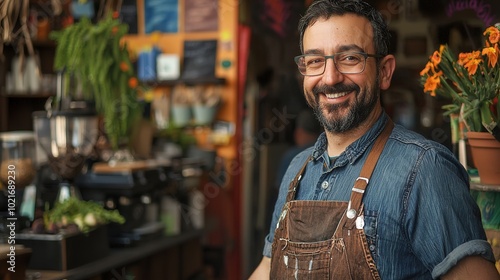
{"type": "Point", "coordinates": [267, 246]}
{"type": "Point", "coordinates": [474, 247]}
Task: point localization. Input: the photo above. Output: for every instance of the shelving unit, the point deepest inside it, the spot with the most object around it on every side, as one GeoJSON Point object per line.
{"type": "Point", "coordinates": [16, 107]}
{"type": "Point", "coordinates": [16, 110]}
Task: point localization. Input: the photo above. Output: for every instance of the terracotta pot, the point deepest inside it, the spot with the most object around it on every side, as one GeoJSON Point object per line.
{"type": "Point", "coordinates": [485, 151]}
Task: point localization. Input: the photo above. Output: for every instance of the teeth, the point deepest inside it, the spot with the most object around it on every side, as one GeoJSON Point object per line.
{"type": "Point", "coordinates": [336, 95]}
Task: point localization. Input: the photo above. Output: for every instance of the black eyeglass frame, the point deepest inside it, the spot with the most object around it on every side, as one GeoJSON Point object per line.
{"type": "Point", "coordinates": [365, 55]}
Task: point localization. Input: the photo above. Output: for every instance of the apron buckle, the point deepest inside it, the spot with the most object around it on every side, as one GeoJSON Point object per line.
{"type": "Point", "coordinates": [364, 179]}
{"type": "Point", "coordinates": [351, 213]}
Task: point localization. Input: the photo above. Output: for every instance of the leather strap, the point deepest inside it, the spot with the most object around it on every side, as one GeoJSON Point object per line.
{"type": "Point", "coordinates": [355, 203]}
{"type": "Point", "coordinates": [292, 188]}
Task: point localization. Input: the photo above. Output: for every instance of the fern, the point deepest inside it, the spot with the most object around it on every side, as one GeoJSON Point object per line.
{"type": "Point", "coordinates": [92, 53]}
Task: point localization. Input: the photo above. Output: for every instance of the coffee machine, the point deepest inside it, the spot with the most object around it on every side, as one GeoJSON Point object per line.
{"type": "Point", "coordinates": [134, 189]}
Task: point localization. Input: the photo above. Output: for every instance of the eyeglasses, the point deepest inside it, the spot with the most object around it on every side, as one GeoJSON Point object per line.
{"type": "Point", "coordinates": [345, 62]}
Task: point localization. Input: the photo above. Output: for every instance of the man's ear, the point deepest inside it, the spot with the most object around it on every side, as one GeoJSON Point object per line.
{"type": "Point", "coordinates": [387, 66]}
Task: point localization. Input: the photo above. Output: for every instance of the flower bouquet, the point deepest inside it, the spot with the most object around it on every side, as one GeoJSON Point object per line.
{"type": "Point", "coordinates": [471, 81]}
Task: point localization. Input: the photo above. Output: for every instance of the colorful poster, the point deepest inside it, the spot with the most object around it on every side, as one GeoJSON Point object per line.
{"type": "Point", "coordinates": [200, 15]}
{"type": "Point", "coordinates": [161, 16]}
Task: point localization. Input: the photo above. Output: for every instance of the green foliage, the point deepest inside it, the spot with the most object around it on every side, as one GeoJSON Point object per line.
{"type": "Point", "coordinates": [85, 214]}
{"type": "Point", "coordinates": [179, 136]}
{"type": "Point", "coordinates": [94, 55]}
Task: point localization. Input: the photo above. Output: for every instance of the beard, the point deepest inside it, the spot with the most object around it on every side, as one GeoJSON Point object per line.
{"type": "Point", "coordinates": [357, 112]}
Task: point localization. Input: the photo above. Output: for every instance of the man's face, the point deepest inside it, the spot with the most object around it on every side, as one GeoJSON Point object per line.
{"type": "Point", "coordinates": [342, 101]}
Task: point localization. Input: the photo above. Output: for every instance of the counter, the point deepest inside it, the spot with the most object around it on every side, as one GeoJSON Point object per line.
{"type": "Point", "coordinates": [172, 257]}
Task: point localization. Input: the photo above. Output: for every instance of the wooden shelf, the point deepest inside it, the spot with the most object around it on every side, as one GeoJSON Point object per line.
{"type": "Point", "coordinates": [484, 187]}
{"type": "Point", "coordinates": [28, 95]}
{"type": "Point", "coordinates": [201, 81]}
{"type": "Point", "coordinates": [44, 43]}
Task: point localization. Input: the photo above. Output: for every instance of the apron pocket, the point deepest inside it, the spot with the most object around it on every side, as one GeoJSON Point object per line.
{"type": "Point", "coordinates": [306, 260]}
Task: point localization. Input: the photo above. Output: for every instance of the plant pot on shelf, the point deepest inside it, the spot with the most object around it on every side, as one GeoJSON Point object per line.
{"type": "Point", "coordinates": [204, 115]}
{"type": "Point", "coordinates": [485, 151]}
{"type": "Point", "coordinates": [181, 115]}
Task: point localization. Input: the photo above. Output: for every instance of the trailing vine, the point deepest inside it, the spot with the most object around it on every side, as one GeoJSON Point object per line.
{"type": "Point", "coordinates": [94, 55]}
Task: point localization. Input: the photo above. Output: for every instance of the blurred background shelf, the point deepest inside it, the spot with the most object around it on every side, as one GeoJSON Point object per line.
{"type": "Point", "coordinates": [484, 187]}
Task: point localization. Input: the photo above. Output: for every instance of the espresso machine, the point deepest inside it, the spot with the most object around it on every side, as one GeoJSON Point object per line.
{"type": "Point", "coordinates": [135, 190]}
{"type": "Point", "coordinates": [74, 169]}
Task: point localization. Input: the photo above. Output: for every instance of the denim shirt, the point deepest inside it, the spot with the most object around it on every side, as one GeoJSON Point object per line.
{"type": "Point", "coordinates": [420, 218]}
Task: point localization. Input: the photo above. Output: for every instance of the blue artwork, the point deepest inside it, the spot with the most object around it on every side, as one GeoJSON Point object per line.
{"type": "Point", "coordinates": [81, 9]}
{"type": "Point", "coordinates": [161, 16]}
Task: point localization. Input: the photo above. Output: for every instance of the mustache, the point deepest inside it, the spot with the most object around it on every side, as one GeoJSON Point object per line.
{"type": "Point", "coordinates": [335, 88]}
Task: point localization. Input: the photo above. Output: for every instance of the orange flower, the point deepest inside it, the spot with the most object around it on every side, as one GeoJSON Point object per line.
{"type": "Point", "coordinates": [470, 81]}
{"type": "Point", "coordinates": [123, 66]}
{"type": "Point", "coordinates": [133, 83]}
{"type": "Point", "coordinates": [465, 58]}
{"type": "Point", "coordinates": [436, 58]}
{"type": "Point", "coordinates": [114, 30]}
{"type": "Point", "coordinates": [429, 67]}
{"type": "Point", "coordinates": [494, 34]}
{"type": "Point", "coordinates": [116, 14]}
{"type": "Point", "coordinates": [492, 55]}
{"type": "Point", "coordinates": [472, 66]}
{"type": "Point", "coordinates": [432, 83]}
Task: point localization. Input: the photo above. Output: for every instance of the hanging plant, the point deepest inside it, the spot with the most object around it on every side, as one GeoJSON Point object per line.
{"type": "Point", "coordinates": [95, 56]}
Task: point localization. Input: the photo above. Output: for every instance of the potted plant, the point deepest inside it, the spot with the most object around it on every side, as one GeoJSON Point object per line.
{"type": "Point", "coordinates": [206, 104]}
{"type": "Point", "coordinates": [94, 56]}
{"type": "Point", "coordinates": [182, 103]}
{"type": "Point", "coordinates": [472, 82]}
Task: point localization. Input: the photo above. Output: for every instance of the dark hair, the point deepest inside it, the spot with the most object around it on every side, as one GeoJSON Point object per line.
{"type": "Point", "coordinates": [328, 8]}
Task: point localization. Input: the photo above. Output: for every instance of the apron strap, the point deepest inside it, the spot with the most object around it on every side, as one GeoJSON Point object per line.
{"type": "Point", "coordinates": [354, 206]}
{"type": "Point", "coordinates": [292, 188]}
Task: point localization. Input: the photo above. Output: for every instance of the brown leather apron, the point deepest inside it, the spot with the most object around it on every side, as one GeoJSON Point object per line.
{"type": "Point", "coordinates": [325, 239]}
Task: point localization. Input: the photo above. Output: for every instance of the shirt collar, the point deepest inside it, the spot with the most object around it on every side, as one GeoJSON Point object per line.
{"type": "Point", "coordinates": [358, 147]}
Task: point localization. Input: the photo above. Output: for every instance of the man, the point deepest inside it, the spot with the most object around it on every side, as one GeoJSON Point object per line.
{"type": "Point", "coordinates": [369, 200]}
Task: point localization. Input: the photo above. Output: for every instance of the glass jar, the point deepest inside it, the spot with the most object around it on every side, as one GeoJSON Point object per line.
{"type": "Point", "coordinates": [17, 165]}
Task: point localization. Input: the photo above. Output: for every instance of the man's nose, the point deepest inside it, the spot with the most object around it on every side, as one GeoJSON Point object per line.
{"type": "Point", "coordinates": [331, 76]}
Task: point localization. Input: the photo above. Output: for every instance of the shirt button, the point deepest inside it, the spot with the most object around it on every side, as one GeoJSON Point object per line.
{"type": "Point", "coordinates": [324, 185]}
{"type": "Point", "coordinates": [372, 247]}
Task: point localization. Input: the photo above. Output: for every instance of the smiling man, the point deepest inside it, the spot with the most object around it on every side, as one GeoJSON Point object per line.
{"type": "Point", "coordinates": [371, 200]}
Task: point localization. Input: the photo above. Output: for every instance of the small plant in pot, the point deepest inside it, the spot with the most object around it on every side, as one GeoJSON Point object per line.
{"type": "Point", "coordinates": [182, 103]}
{"type": "Point", "coordinates": [206, 105]}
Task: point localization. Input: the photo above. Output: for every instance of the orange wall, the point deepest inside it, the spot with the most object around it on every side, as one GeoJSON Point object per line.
{"type": "Point", "coordinates": [225, 206]}
{"type": "Point", "coordinates": [227, 50]}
